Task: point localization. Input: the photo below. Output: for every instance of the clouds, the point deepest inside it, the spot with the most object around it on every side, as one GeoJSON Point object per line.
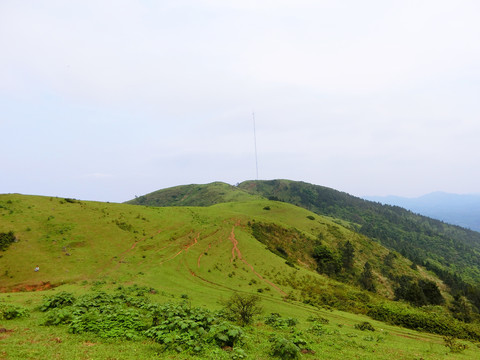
{"type": "Point", "coordinates": [162, 92]}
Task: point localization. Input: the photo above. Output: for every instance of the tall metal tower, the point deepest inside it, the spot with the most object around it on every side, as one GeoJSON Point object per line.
{"type": "Point", "coordinates": [255, 142]}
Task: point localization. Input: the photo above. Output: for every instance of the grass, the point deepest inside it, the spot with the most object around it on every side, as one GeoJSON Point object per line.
{"type": "Point", "coordinates": [202, 254]}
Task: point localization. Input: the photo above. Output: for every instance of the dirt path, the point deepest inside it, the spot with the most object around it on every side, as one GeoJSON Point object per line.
{"type": "Point", "coordinates": [237, 253]}
{"type": "Point", "coordinates": [185, 248]}
{"type": "Point", "coordinates": [203, 253]}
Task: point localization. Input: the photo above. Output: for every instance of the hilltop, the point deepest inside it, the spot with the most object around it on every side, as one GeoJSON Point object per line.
{"type": "Point", "coordinates": [194, 195]}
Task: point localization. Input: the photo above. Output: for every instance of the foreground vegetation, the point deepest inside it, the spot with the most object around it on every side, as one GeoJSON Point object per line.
{"type": "Point", "coordinates": [135, 322]}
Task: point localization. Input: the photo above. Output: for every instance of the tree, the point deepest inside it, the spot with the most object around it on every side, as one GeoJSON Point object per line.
{"type": "Point", "coordinates": [348, 255]}
{"type": "Point", "coordinates": [431, 292]}
{"type": "Point", "coordinates": [328, 262]}
{"type": "Point", "coordinates": [242, 308]}
{"type": "Point", "coordinates": [462, 309]}
{"type": "Point", "coordinates": [366, 278]}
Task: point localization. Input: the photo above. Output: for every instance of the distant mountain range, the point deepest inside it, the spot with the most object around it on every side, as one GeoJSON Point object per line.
{"type": "Point", "coordinates": [461, 210]}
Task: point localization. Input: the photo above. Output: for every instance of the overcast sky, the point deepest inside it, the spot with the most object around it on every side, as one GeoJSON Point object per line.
{"type": "Point", "coordinates": [105, 100]}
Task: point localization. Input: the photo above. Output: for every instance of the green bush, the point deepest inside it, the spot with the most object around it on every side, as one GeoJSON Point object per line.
{"type": "Point", "coordinates": [437, 323]}
{"type": "Point", "coordinates": [275, 320]}
{"type": "Point", "coordinates": [242, 308]}
{"type": "Point", "coordinates": [6, 239]}
{"type": "Point", "coordinates": [225, 334]}
{"type": "Point", "coordinates": [284, 348]}
{"type": "Point", "coordinates": [59, 316]}
{"type": "Point", "coordinates": [9, 312]}
{"type": "Point", "coordinates": [317, 329]}
{"type": "Point", "coordinates": [364, 326]}
{"type": "Point", "coordinates": [57, 301]}
{"type": "Point", "coordinates": [454, 346]}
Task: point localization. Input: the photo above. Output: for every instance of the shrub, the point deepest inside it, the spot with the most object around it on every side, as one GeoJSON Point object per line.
{"type": "Point", "coordinates": [364, 326]}
{"type": "Point", "coordinates": [6, 239]}
{"type": "Point", "coordinates": [317, 329]}
{"type": "Point", "coordinates": [454, 345]}
{"type": "Point", "coordinates": [9, 312]}
{"type": "Point", "coordinates": [57, 301]}
{"type": "Point", "coordinates": [242, 308]}
{"type": "Point", "coordinates": [59, 316]}
{"type": "Point", "coordinates": [225, 334]}
{"type": "Point", "coordinates": [284, 348]}
{"type": "Point", "coordinates": [276, 321]}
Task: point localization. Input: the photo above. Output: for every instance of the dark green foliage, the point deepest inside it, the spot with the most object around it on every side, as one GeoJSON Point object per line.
{"type": "Point", "coordinates": [431, 292]}
{"type": "Point", "coordinates": [328, 261]}
{"type": "Point", "coordinates": [58, 316]}
{"type": "Point", "coordinates": [388, 260]}
{"type": "Point", "coordinates": [276, 321]}
{"type": "Point", "coordinates": [57, 301]}
{"type": "Point", "coordinates": [414, 236]}
{"type": "Point", "coordinates": [419, 293]}
{"type": "Point", "coordinates": [366, 278]}
{"type": "Point", "coordinates": [284, 348]}
{"type": "Point", "coordinates": [454, 346]}
{"type": "Point", "coordinates": [461, 308]}
{"type": "Point", "coordinates": [310, 217]}
{"type": "Point", "coordinates": [129, 314]}
{"type": "Point", "coordinates": [6, 239]}
{"type": "Point", "coordinates": [124, 226]}
{"type": "Point", "coordinates": [317, 328]}
{"type": "Point", "coordinates": [347, 252]}
{"type": "Point", "coordinates": [226, 334]}
{"type": "Point", "coordinates": [364, 326]}
{"type": "Point", "coordinates": [242, 308]}
{"type": "Point", "coordinates": [10, 312]}
{"type": "Point", "coordinates": [437, 323]}
{"type": "Point", "coordinates": [182, 327]}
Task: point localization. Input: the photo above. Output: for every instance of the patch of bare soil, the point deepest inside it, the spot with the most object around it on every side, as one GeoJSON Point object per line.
{"type": "Point", "coordinates": [27, 288]}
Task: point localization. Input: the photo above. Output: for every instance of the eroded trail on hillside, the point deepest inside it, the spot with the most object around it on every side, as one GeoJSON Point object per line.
{"type": "Point", "coordinates": [185, 249]}
{"type": "Point", "coordinates": [237, 253]}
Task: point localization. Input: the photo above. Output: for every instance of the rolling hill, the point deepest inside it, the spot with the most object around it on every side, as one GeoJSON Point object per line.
{"type": "Point", "coordinates": [298, 262]}
{"type": "Point", "coordinates": [444, 248]}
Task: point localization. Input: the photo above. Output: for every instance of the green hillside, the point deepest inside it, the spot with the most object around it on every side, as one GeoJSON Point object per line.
{"type": "Point", "coordinates": [193, 195]}
{"type": "Point", "coordinates": [276, 250]}
{"type": "Point", "coordinates": [451, 251]}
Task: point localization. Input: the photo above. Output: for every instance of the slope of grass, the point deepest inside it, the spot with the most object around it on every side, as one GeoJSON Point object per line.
{"type": "Point", "coordinates": [201, 255]}
{"type": "Point", "coordinates": [194, 195]}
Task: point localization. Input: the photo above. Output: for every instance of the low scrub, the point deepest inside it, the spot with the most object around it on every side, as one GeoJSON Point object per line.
{"type": "Point", "coordinates": [10, 312]}
{"type": "Point", "coordinates": [129, 314]}
{"type": "Point", "coordinates": [433, 322]}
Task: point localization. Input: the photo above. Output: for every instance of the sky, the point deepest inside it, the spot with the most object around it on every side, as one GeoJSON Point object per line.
{"type": "Point", "coordinates": [108, 100]}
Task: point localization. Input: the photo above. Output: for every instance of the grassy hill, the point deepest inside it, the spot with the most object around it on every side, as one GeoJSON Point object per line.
{"type": "Point", "coordinates": [194, 195]}
{"type": "Point", "coordinates": [204, 255]}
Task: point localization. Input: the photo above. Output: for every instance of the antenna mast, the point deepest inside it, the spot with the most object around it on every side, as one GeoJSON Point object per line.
{"type": "Point", "coordinates": [255, 141]}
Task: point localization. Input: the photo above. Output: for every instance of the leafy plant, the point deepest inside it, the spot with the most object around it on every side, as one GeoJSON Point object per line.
{"type": "Point", "coordinates": [225, 334]}
{"type": "Point", "coordinates": [9, 312]}
{"type": "Point", "coordinates": [275, 320]}
{"type": "Point", "coordinates": [57, 301]}
{"type": "Point", "coordinates": [364, 326]}
{"type": "Point", "coordinates": [6, 239]}
{"type": "Point", "coordinates": [454, 346]}
{"type": "Point", "coordinates": [284, 348]}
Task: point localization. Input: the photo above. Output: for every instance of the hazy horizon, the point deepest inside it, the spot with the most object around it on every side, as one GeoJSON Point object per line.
{"type": "Point", "coordinates": [108, 100]}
